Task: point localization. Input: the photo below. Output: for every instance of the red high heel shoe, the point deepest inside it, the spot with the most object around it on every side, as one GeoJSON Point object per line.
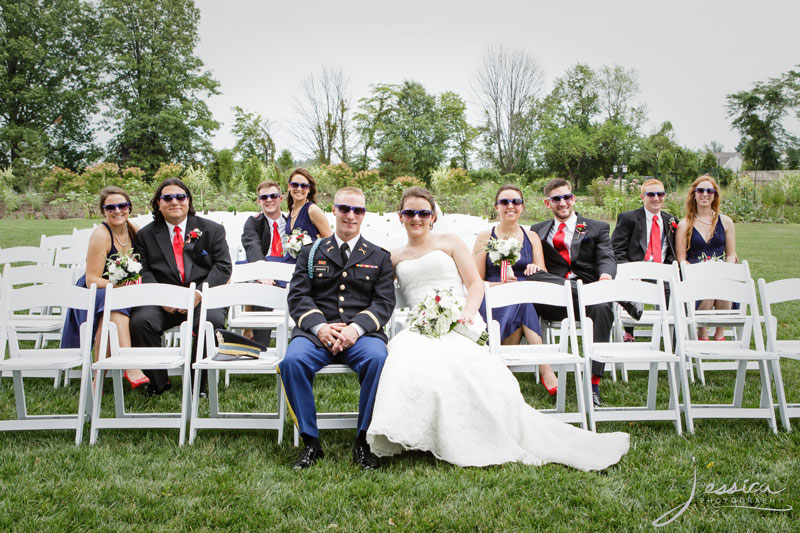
{"type": "Point", "coordinates": [552, 391]}
{"type": "Point", "coordinates": [137, 383]}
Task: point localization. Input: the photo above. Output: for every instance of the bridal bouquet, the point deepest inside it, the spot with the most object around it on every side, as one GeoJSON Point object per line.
{"type": "Point", "coordinates": [503, 253]}
{"type": "Point", "coordinates": [123, 269]}
{"type": "Point", "coordinates": [295, 241]}
{"type": "Point", "coordinates": [438, 313]}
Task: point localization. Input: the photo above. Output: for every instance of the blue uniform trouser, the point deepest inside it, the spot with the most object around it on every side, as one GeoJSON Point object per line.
{"type": "Point", "coordinates": [302, 361]}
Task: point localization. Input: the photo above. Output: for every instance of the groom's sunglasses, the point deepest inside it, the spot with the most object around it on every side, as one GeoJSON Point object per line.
{"type": "Point", "coordinates": [270, 196]}
{"type": "Point", "coordinates": [505, 201]}
{"type": "Point", "coordinates": [110, 208]}
{"type": "Point", "coordinates": [423, 214]}
{"type": "Point", "coordinates": [169, 197]}
{"type": "Point", "coordinates": [660, 194]}
{"type": "Point", "coordinates": [344, 209]}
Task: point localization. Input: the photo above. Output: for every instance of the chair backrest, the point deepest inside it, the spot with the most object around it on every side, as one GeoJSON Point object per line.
{"type": "Point", "coordinates": [647, 270]}
{"type": "Point", "coordinates": [26, 254]}
{"type": "Point", "coordinates": [686, 292]}
{"type": "Point", "coordinates": [52, 242]}
{"type": "Point", "coordinates": [534, 292]}
{"type": "Point", "coordinates": [162, 294]}
{"type": "Point", "coordinates": [71, 257]}
{"type": "Point", "coordinates": [715, 270]}
{"type": "Point", "coordinates": [776, 292]}
{"type": "Point", "coordinates": [37, 274]}
{"type": "Point", "coordinates": [262, 270]}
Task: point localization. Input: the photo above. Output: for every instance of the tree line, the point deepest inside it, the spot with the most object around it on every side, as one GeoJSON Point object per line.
{"type": "Point", "coordinates": [70, 69]}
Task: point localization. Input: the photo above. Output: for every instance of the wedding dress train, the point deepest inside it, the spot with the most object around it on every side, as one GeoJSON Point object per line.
{"type": "Point", "coordinates": [450, 397]}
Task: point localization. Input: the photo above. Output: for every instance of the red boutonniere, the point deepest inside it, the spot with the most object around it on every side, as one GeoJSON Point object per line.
{"type": "Point", "coordinates": [580, 228]}
{"type": "Point", "coordinates": [673, 225]}
{"type": "Point", "coordinates": [193, 236]}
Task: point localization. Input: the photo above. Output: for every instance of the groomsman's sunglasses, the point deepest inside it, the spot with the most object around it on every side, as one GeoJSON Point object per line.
{"type": "Point", "coordinates": [169, 197]}
{"type": "Point", "coordinates": [505, 201]}
{"type": "Point", "coordinates": [566, 197]}
{"type": "Point", "coordinates": [423, 214]}
{"type": "Point", "coordinates": [710, 191]}
{"type": "Point", "coordinates": [110, 208]}
{"type": "Point", "coordinates": [651, 194]}
{"type": "Point", "coordinates": [296, 185]}
{"type": "Point", "coordinates": [270, 196]}
{"type": "Point", "coordinates": [344, 209]}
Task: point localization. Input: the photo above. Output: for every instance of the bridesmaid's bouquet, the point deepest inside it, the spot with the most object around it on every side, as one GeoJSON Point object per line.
{"type": "Point", "coordinates": [123, 269]}
{"type": "Point", "coordinates": [438, 313]}
{"type": "Point", "coordinates": [295, 242]}
{"type": "Point", "coordinates": [503, 253]}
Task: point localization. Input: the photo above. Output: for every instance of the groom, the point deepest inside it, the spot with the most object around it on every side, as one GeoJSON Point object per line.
{"type": "Point", "coordinates": [341, 296]}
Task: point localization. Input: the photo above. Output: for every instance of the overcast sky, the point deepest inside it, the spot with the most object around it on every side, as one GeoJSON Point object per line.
{"type": "Point", "coordinates": [688, 54]}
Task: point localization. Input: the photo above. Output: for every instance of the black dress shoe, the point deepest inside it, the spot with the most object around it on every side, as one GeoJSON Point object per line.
{"type": "Point", "coordinates": [151, 390]}
{"type": "Point", "coordinates": [596, 399]}
{"type": "Point", "coordinates": [309, 456]}
{"type": "Point", "coordinates": [363, 457]}
{"type": "Point", "coordinates": [635, 309]}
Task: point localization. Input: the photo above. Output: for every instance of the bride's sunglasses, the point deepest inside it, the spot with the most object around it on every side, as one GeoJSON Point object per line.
{"type": "Point", "coordinates": [344, 209]}
{"type": "Point", "coordinates": [423, 214]}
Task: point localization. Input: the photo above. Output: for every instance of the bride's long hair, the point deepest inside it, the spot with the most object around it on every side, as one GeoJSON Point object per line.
{"type": "Point", "coordinates": [419, 192]}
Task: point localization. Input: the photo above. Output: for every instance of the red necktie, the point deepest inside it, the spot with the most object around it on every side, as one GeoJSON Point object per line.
{"type": "Point", "coordinates": [654, 247]}
{"type": "Point", "coordinates": [277, 247]}
{"type": "Point", "coordinates": [177, 249]}
{"type": "Point", "coordinates": [558, 244]}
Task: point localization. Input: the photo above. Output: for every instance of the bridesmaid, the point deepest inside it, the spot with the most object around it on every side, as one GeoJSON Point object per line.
{"type": "Point", "coordinates": [515, 320]}
{"type": "Point", "coordinates": [115, 235]}
{"type": "Point", "coordinates": [706, 234]}
{"type": "Point", "coordinates": [304, 213]}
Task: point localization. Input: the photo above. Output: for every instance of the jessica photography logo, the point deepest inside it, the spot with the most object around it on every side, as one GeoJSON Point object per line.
{"type": "Point", "coordinates": [750, 494]}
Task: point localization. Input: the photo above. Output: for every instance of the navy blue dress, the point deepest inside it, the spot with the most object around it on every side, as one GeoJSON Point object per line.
{"type": "Point", "coordinates": [512, 317]}
{"type": "Point", "coordinates": [713, 248]}
{"type": "Point", "coordinates": [70, 335]}
{"type": "Point", "coordinates": [302, 221]}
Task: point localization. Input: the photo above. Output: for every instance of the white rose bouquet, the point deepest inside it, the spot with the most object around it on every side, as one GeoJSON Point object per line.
{"type": "Point", "coordinates": [295, 242]}
{"type": "Point", "coordinates": [123, 269]}
{"type": "Point", "coordinates": [503, 253]}
{"type": "Point", "coordinates": [438, 314]}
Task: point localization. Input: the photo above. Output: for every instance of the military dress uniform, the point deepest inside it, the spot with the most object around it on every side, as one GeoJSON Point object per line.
{"type": "Point", "coordinates": [358, 291]}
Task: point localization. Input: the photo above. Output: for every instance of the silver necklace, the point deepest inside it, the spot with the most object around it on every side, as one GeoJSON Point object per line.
{"type": "Point", "coordinates": [123, 244]}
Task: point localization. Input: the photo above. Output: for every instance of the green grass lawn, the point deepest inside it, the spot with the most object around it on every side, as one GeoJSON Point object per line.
{"type": "Point", "coordinates": [142, 480]}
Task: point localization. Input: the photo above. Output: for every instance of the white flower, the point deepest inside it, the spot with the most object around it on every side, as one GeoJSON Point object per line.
{"type": "Point", "coordinates": [134, 267]}
{"type": "Point", "coordinates": [495, 257]}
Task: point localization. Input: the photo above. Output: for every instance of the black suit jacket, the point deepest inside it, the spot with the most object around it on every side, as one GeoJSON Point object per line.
{"type": "Point", "coordinates": [590, 252]}
{"type": "Point", "coordinates": [630, 237]}
{"type": "Point", "coordinates": [257, 237]}
{"type": "Point", "coordinates": [360, 292]}
{"type": "Point", "coordinates": [205, 259]}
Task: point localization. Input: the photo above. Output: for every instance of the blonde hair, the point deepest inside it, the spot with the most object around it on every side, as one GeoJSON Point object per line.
{"type": "Point", "coordinates": [349, 190]}
{"type": "Point", "coordinates": [649, 182]}
{"type": "Point", "coordinates": [691, 207]}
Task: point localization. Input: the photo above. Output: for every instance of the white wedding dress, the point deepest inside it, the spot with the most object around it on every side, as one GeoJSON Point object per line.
{"type": "Point", "coordinates": [451, 397]}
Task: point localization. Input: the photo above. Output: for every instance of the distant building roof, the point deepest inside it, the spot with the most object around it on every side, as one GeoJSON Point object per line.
{"type": "Point", "coordinates": [724, 157]}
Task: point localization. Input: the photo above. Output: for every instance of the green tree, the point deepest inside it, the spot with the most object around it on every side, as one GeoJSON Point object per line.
{"type": "Point", "coordinates": [758, 116]}
{"type": "Point", "coordinates": [369, 121]}
{"type": "Point", "coordinates": [460, 134]}
{"type": "Point", "coordinates": [155, 85]}
{"type": "Point", "coordinates": [48, 83]}
{"type": "Point", "coordinates": [223, 167]}
{"type": "Point", "coordinates": [252, 134]}
{"type": "Point", "coordinates": [285, 162]}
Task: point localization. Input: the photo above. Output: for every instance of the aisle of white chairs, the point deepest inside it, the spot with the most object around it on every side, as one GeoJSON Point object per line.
{"type": "Point", "coordinates": [34, 298]}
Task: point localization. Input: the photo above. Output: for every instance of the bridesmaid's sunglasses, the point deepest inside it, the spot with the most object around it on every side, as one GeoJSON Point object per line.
{"type": "Point", "coordinates": [423, 214]}
{"type": "Point", "coordinates": [270, 196]}
{"type": "Point", "coordinates": [295, 185]}
{"type": "Point", "coordinates": [710, 191]}
{"type": "Point", "coordinates": [344, 209]}
{"type": "Point", "coordinates": [506, 201]}
{"type": "Point", "coordinates": [110, 208]}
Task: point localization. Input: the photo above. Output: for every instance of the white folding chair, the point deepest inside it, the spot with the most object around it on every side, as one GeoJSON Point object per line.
{"type": "Point", "coordinates": [563, 356]}
{"type": "Point", "coordinates": [777, 292]}
{"type": "Point", "coordinates": [42, 359]}
{"type": "Point", "coordinates": [116, 359]}
{"type": "Point", "coordinates": [651, 353]}
{"type": "Point", "coordinates": [226, 296]}
{"type": "Point", "coordinates": [641, 270]}
{"type": "Point", "coordinates": [56, 242]}
{"type": "Point", "coordinates": [26, 254]}
{"type": "Point", "coordinates": [238, 318]}
{"type": "Point", "coordinates": [74, 258]}
{"type": "Point", "coordinates": [684, 294]}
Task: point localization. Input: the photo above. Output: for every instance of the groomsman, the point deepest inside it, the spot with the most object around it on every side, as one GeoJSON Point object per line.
{"type": "Point", "coordinates": [576, 248]}
{"type": "Point", "coordinates": [341, 296]}
{"type": "Point", "coordinates": [647, 233]}
{"type": "Point", "coordinates": [177, 248]}
{"type": "Point", "coordinates": [263, 234]}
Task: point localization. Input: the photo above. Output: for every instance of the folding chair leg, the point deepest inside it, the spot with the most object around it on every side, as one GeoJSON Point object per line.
{"type": "Point", "coordinates": [84, 404]}
{"type": "Point", "coordinates": [674, 404]}
{"type": "Point", "coordinates": [19, 395]}
{"type": "Point", "coordinates": [652, 385]}
{"type": "Point", "coordinates": [700, 375]}
{"type": "Point", "coordinates": [98, 396]}
{"type": "Point", "coordinates": [213, 392]}
{"type": "Point", "coordinates": [281, 408]}
{"type": "Point", "coordinates": [587, 388]}
{"type": "Point", "coordinates": [119, 394]}
{"type": "Point", "coordinates": [580, 396]}
{"type": "Point", "coordinates": [738, 391]}
{"type": "Point", "coordinates": [561, 396]}
{"type": "Point", "coordinates": [185, 403]}
{"type": "Point", "coordinates": [781, 394]}
{"type": "Point", "coordinates": [196, 402]}
{"type": "Point", "coordinates": [766, 387]}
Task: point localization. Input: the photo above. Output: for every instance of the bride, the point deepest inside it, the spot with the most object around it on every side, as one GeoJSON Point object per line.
{"type": "Point", "coordinates": [449, 396]}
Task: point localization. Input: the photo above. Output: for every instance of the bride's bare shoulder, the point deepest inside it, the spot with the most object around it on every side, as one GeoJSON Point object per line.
{"type": "Point", "coordinates": [398, 254]}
